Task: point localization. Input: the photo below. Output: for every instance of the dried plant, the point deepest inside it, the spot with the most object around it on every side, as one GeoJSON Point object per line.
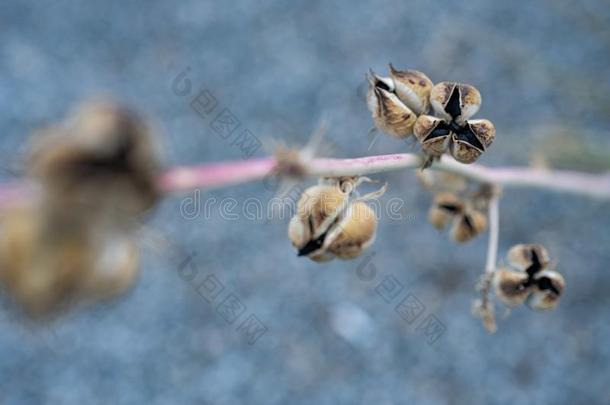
{"type": "Point", "coordinates": [68, 230]}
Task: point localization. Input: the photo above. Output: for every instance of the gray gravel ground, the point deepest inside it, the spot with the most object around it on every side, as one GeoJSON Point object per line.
{"type": "Point", "coordinates": [280, 67]}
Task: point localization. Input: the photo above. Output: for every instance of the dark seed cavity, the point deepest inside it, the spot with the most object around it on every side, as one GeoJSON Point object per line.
{"type": "Point", "coordinates": [536, 265]}
{"type": "Point", "coordinates": [545, 283]}
{"type": "Point", "coordinates": [453, 208]}
{"type": "Point", "coordinates": [441, 129]}
{"type": "Point", "coordinates": [468, 223]}
{"type": "Point", "coordinates": [453, 107]}
{"type": "Point", "coordinates": [312, 246]}
{"type": "Point", "coordinates": [382, 85]}
{"type": "Point", "coordinates": [465, 134]}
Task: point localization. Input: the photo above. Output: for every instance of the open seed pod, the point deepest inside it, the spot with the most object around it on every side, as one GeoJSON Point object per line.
{"type": "Point", "coordinates": [413, 88]}
{"type": "Point", "coordinates": [548, 287]}
{"type": "Point", "coordinates": [390, 114]}
{"type": "Point", "coordinates": [528, 257]}
{"type": "Point", "coordinates": [433, 134]}
{"type": "Point", "coordinates": [330, 223]}
{"type": "Point", "coordinates": [444, 209]}
{"type": "Point", "coordinates": [468, 225]}
{"type": "Point", "coordinates": [455, 101]}
{"type": "Point", "coordinates": [471, 140]}
{"type": "Point", "coordinates": [511, 286]}
{"type": "Point", "coordinates": [318, 208]}
{"type": "Point", "coordinates": [451, 130]}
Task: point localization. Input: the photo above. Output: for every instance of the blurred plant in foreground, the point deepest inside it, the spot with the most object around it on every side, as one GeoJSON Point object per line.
{"type": "Point", "coordinates": [72, 240]}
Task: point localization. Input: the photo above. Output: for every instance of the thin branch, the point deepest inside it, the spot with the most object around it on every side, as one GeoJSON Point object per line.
{"type": "Point", "coordinates": [494, 232]}
{"type": "Point", "coordinates": [229, 173]}
{"type": "Point", "coordinates": [212, 175]}
{"type": "Point", "coordinates": [485, 307]}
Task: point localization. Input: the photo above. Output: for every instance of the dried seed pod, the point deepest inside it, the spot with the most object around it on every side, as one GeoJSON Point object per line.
{"type": "Point", "coordinates": [354, 233]}
{"type": "Point", "coordinates": [103, 158]}
{"type": "Point", "coordinates": [50, 262]}
{"type": "Point", "coordinates": [319, 207]}
{"type": "Point", "coordinates": [433, 134]}
{"type": "Point", "coordinates": [455, 101]}
{"type": "Point", "coordinates": [444, 209]}
{"type": "Point", "coordinates": [39, 279]}
{"type": "Point", "coordinates": [470, 141]}
{"type": "Point", "coordinates": [413, 88]}
{"type": "Point", "coordinates": [390, 114]}
{"type": "Point", "coordinates": [530, 258]}
{"type": "Point", "coordinates": [327, 224]}
{"type": "Point", "coordinates": [511, 286]}
{"type": "Point", "coordinates": [548, 287]}
{"type": "Point", "coordinates": [468, 225]}
{"type": "Point", "coordinates": [466, 140]}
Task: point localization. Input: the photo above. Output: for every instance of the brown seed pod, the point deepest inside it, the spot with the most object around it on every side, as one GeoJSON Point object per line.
{"type": "Point", "coordinates": [49, 262]}
{"type": "Point", "coordinates": [511, 286]}
{"type": "Point", "coordinates": [548, 287]}
{"type": "Point", "coordinates": [528, 257]}
{"type": "Point", "coordinates": [413, 88]}
{"type": "Point", "coordinates": [446, 207]}
{"type": "Point", "coordinates": [327, 224]}
{"type": "Point", "coordinates": [468, 225]}
{"type": "Point", "coordinates": [390, 114]}
{"type": "Point", "coordinates": [103, 158]}
{"type": "Point", "coordinates": [354, 233]}
{"type": "Point", "coordinates": [318, 208]}
{"type": "Point", "coordinates": [455, 101]}
{"type": "Point", "coordinates": [470, 141]}
{"type": "Point", "coordinates": [433, 134]}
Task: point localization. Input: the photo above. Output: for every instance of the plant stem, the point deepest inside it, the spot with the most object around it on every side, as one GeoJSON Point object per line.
{"type": "Point", "coordinates": [494, 232]}
{"type": "Point", "coordinates": [229, 173]}
{"type": "Point", "coordinates": [185, 178]}
{"type": "Point", "coordinates": [486, 309]}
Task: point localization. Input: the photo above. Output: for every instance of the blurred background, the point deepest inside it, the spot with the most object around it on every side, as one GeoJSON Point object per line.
{"type": "Point", "coordinates": [324, 333]}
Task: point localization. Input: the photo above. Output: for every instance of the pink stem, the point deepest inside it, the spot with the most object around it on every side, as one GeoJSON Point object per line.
{"type": "Point", "coordinates": [211, 175]}
{"type": "Point", "coordinates": [229, 173]}
{"type": "Point", "coordinates": [184, 178]}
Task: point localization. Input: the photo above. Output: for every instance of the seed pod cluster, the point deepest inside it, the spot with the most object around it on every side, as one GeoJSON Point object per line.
{"type": "Point", "coordinates": [400, 105]}
{"type": "Point", "coordinates": [331, 221]}
{"type": "Point", "coordinates": [73, 241]}
{"type": "Point", "coordinates": [397, 100]}
{"type": "Point", "coordinates": [456, 205]}
{"type": "Point", "coordinates": [466, 221]}
{"type": "Point", "coordinates": [451, 130]}
{"type": "Point", "coordinates": [528, 279]}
